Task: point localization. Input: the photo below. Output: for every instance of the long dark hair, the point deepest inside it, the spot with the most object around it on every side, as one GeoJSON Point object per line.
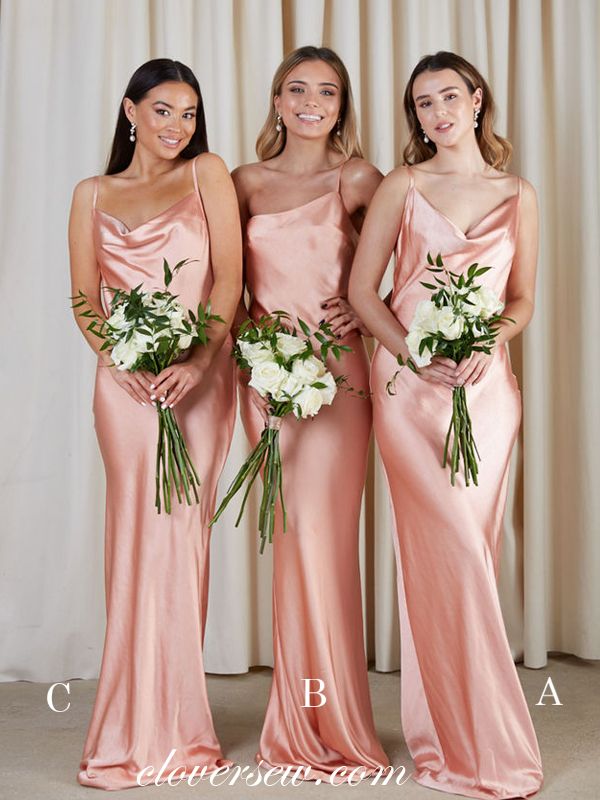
{"type": "Point", "coordinates": [494, 149]}
{"type": "Point", "coordinates": [146, 77]}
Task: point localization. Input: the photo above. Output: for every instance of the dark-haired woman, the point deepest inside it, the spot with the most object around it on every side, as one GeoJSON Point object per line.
{"type": "Point", "coordinates": [464, 715]}
{"type": "Point", "coordinates": [163, 196]}
{"type": "Point", "coordinates": [302, 205]}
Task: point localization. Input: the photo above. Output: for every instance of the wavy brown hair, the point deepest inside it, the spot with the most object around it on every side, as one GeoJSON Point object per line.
{"type": "Point", "coordinates": [494, 149]}
{"type": "Point", "coordinates": [270, 141]}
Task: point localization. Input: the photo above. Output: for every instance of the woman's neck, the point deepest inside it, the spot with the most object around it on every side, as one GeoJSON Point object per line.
{"type": "Point", "coordinates": [306, 157]}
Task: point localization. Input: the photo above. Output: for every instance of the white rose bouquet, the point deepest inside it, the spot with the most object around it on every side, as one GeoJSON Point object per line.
{"type": "Point", "coordinates": [460, 318]}
{"type": "Point", "coordinates": [150, 331]}
{"type": "Point", "coordinates": [285, 370]}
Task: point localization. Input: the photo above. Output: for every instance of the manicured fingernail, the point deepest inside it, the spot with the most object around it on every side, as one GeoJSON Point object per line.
{"type": "Point", "coordinates": [152, 397]}
{"type": "Point", "coordinates": [143, 403]}
{"type": "Point", "coordinates": [153, 386]}
{"type": "Point", "coordinates": [172, 404]}
{"type": "Point", "coordinates": [162, 399]}
{"type": "Point", "coordinates": [154, 404]}
{"type": "Point", "coordinates": [164, 405]}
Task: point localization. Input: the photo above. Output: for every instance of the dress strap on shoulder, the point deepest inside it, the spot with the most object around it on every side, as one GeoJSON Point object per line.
{"type": "Point", "coordinates": [195, 176]}
{"type": "Point", "coordinates": [339, 176]}
{"type": "Point", "coordinates": [411, 176]}
{"type": "Point", "coordinates": [95, 195]}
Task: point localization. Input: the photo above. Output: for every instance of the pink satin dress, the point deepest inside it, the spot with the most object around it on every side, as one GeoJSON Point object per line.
{"type": "Point", "coordinates": [295, 260]}
{"type": "Point", "coordinates": [151, 695]}
{"type": "Point", "coordinates": [464, 716]}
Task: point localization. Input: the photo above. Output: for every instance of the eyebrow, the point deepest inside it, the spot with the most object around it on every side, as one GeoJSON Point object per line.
{"type": "Point", "coordinates": [168, 105]}
{"type": "Point", "coordinates": [323, 83]}
{"type": "Point", "coordinates": [447, 89]}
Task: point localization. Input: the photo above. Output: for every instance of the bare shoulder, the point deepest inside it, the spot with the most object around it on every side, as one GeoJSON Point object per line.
{"type": "Point", "coordinates": [528, 193]}
{"type": "Point", "coordinates": [210, 165]}
{"type": "Point", "coordinates": [246, 176]}
{"type": "Point", "coordinates": [357, 170]}
{"type": "Point", "coordinates": [83, 192]}
{"type": "Point", "coordinates": [397, 181]}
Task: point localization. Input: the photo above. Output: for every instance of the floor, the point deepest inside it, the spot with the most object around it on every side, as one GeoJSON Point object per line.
{"type": "Point", "coordinates": [40, 749]}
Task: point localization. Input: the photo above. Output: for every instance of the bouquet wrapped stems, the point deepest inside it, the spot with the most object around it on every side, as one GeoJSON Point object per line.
{"type": "Point", "coordinates": [174, 467]}
{"type": "Point", "coordinates": [265, 453]}
{"type": "Point", "coordinates": [463, 443]}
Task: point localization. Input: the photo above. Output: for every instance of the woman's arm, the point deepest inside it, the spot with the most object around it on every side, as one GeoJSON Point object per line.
{"type": "Point", "coordinates": [85, 277]}
{"type": "Point", "coordinates": [359, 182]}
{"type": "Point", "coordinates": [520, 288]}
{"type": "Point", "coordinates": [377, 241]}
{"type": "Point", "coordinates": [221, 208]}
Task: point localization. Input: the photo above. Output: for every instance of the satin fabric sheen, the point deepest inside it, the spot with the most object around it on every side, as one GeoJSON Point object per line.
{"type": "Point", "coordinates": [295, 260]}
{"type": "Point", "coordinates": [464, 715]}
{"type": "Point", "coordinates": [151, 694]}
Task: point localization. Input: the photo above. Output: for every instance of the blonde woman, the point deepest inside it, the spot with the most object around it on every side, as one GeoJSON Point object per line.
{"type": "Point", "coordinates": [302, 206]}
{"type": "Point", "coordinates": [464, 715]}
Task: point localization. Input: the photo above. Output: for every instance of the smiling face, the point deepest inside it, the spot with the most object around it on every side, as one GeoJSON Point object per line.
{"type": "Point", "coordinates": [310, 99]}
{"type": "Point", "coordinates": [444, 106]}
{"type": "Point", "coordinates": [165, 118]}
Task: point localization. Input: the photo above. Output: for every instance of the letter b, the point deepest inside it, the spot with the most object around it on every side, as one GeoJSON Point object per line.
{"type": "Point", "coordinates": [308, 692]}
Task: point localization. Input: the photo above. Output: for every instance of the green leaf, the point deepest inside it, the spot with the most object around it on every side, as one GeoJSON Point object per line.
{"type": "Point", "coordinates": [167, 271]}
{"type": "Point", "coordinates": [304, 326]}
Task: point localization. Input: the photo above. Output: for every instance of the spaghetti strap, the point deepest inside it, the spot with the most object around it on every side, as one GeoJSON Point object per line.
{"type": "Point", "coordinates": [195, 177]}
{"type": "Point", "coordinates": [411, 177]}
{"type": "Point", "coordinates": [95, 196]}
{"type": "Point", "coordinates": [339, 177]}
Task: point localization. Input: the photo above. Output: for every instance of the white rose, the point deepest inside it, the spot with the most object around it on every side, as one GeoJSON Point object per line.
{"type": "Point", "coordinates": [448, 325]}
{"type": "Point", "coordinates": [485, 303]}
{"type": "Point", "coordinates": [329, 392]}
{"type": "Point", "coordinates": [117, 320]}
{"type": "Point", "coordinates": [143, 342]}
{"type": "Point", "coordinates": [267, 378]}
{"type": "Point", "coordinates": [309, 401]}
{"type": "Point", "coordinates": [289, 345]}
{"type": "Point", "coordinates": [425, 317]}
{"type": "Point", "coordinates": [308, 369]}
{"type": "Point", "coordinates": [255, 353]}
{"type": "Point", "coordinates": [185, 341]}
{"type": "Point", "coordinates": [413, 341]}
{"type": "Point", "coordinates": [290, 387]}
{"type": "Point", "coordinates": [125, 354]}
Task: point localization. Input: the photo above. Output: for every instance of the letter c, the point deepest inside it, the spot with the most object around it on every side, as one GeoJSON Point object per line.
{"type": "Point", "coordinates": [49, 697]}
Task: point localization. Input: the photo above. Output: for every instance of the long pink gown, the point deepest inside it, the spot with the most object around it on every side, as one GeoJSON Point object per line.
{"type": "Point", "coordinates": [464, 715]}
{"type": "Point", "coordinates": [295, 260]}
{"type": "Point", "coordinates": [151, 695]}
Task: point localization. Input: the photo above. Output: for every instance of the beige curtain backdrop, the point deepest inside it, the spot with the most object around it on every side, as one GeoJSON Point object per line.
{"type": "Point", "coordinates": [63, 67]}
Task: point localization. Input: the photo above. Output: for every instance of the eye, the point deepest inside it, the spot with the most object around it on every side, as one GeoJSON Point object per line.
{"type": "Point", "coordinates": [189, 115]}
{"type": "Point", "coordinates": [450, 96]}
{"type": "Point", "coordinates": [425, 104]}
{"type": "Point", "coordinates": [296, 89]}
{"type": "Point", "coordinates": [162, 111]}
{"type": "Point", "coordinates": [328, 92]}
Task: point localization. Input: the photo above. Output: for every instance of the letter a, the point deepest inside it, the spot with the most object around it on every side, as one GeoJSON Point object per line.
{"type": "Point", "coordinates": [549, 690]}
{"type": "Point", "coordinates": [319, 691]}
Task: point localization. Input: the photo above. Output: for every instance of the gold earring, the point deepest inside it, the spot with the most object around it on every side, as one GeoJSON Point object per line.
{"type": "Point", "coordinates": [278, 125]}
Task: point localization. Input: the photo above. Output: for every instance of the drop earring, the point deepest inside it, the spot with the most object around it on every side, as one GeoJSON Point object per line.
{"type": "Point", "coordinates": [278, 125]}
{"type": "Point", "coordinates": [132, 132]}
{"type": "Point", "coordinates": [425, 137]}
{"type": "Point", "coordinates": [339, 127]}
{"type": "Point", "coordinates": [475, 115]}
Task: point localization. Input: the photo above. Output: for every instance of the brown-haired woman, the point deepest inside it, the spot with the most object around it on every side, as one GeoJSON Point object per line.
{"type": "Point", "coordinates": [163, 196]}
{"type": "Point", "coordinates": [464, 715]}
{"type": "Point", "coordinates": [301, 206]}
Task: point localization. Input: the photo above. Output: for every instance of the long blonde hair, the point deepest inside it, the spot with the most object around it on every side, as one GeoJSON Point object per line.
{"type": "Point", "coordinates": [270, 141]}
{"type": "Point", "coordinates": [494, 149]}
